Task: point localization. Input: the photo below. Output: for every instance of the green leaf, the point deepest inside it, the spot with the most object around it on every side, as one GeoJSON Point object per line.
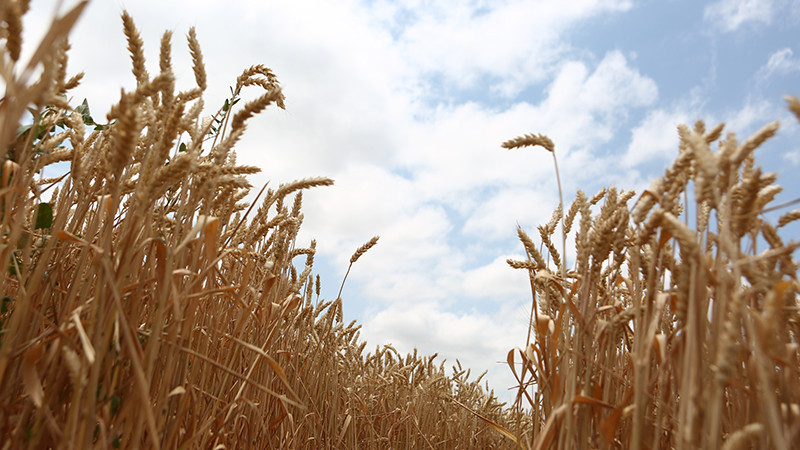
{"type": "Point", "coordinates": [4, 304]}
{"type": "Point", "coordinates": [226, 105]}
{"type": "Point", "coordinates": [83, 109]}
{"type": "Point", "coordinates": [12, 266]}
{"type": "Point", "coordinates": [115, 402]}
{"type": "Point", "coordinates": [44, 216]}
{"type": "Point", "coordinates": [182, 148]}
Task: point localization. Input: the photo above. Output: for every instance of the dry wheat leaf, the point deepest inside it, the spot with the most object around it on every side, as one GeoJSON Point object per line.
{"type": "Point", "coordinates": [492, 424]}
{"type": "Point", "coordinates": [30, 375]}
{"type": "Point", "coordinates": [210, 235]}
{"type": "Point", "coordinates": [510, 361]}
{"type": "Point", "coordinates": [86, 343]}
{"type": "Point", "coordinates": [177, 391]}
{"type": "Point", "coordinates": [591, 401]}
{"type": "Point", "coordinates": [62, 235]}
{"type": "Point", "coordinates": [660, 346]}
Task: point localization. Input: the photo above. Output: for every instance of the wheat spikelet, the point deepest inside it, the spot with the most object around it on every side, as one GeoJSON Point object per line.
{"type": "Point", "coordinates": [176, 171]}
{"type": "Point", "coordinates": [714, 134]}
{"type": "Point", "coordinates": [550, 228]}
{"type": "Point", "coordinates": [135, 48]}
{"type": "Point", "coordinates": [363, 249]}
{"type": "Point", "coordinates": [753, 142]}
{"type": "Point", "coordinates": [530, 248]}
{"type": "Point", "coordinates": [579, 201]}
{"type": "Point", "coordinates": [705, 164]}
{"type": "Point", "coordinates": [766, 195]}
{"type": "Point", "coordinates": [231, 169]}
{"type": "Point", "coordinates": [13, 11]}
{"type": "Point", "coordinates": [165, 52]}
{"type": "Point", "coordinates": [788, 218]}
{"type": "Point", "coordinates": [528, 265]}
{"type": "Point", "coordinates": [794, 105]}
{"type": "Point", "coordinates": [297, 204]}
{"type": "Point", "coordinates": [305, 183]}
{"type": "Point", "coordinates": [739, 438]}
{"type": "Point", "coordinates": [56, 156]}
{"type": "Point", "coordinates": [744, 196]}
{"type": "Point", "coordinates": [545, 233]}
{"type": "Point", "coordinates": [254, 107]}
{"type": "Point", "coordinates": [62, 57]}
{"type": "Point", "coordinates": [530, 140]}
{"type": "Point", "coordinates": [197, 60]}
{"type": "Point", "coordinates": [269, 82]}
{"type": "Point", "coordinates": [126, 132]}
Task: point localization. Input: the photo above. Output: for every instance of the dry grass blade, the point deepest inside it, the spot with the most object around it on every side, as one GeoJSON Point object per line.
{"type": "Point", "coordinates": [499, 428]}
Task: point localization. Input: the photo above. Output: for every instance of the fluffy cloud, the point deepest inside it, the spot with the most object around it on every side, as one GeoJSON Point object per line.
{"type": "Point", "coordinates": [451, 38]}
{"type": "Point", "coordinates": [656, 137]}
{"type": "Point", "coordinates": [478, 340]}
{"type": "Point", "coordinates": [780, 62]}
{"type": "Point", "coordinates": [730, 15]}
{"type": "Point", "coordinates": [751, 116]}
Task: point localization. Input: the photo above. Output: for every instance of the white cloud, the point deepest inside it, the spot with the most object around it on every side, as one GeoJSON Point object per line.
{"type": "Point", "coordinates": [497, 280]}
{"type": "Point", "coordinates": [656, 137]}
{"type": "Point", "coordinates": [793, 157]}
{"type": "Point", "coordinates": [495, 218]}
{"type": "Point", "coordinates": [730, 15]}
{"type": "Point", "coordinates": [780, 62]}
{"type": "Point", "coordinates": [585, 109]}
{"type": "Point", "coordinates": [750, 117]}
{"type": "Point", "coordinates": [452, 39]}
{"type": "Point", "coordinates": [479, 341]}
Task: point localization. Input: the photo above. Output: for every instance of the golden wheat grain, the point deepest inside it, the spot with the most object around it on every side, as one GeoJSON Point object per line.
{"type": "Point", "coordinates": [273, 95]}
{"type": "Point", "coordinates": [125, 134]}
{"type": "Point", "coordinates": [363, 249]}
{"type": "Point", "coordinates": [788, 218]}
{"type": "Point", "coordinates": [135, 48]}
{"type": "Point", "coordinates": [530, 140]}
{"type": "Point", "coordinates": [530, 248]}
{"type": "Point", "coordinates": [197, 59]}
{"type": "Point", "coordinates": [794, 105]}
{"type": "Point", "coordinates": [13, 11]}
{"type": "Point", "coordinates": [754, 141]}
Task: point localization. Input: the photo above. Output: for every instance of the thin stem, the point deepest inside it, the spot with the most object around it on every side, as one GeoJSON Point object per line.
{"type": "Point", "coordinates": [562, 269]}
{"type": "Point", "coordinates": [343, 280]}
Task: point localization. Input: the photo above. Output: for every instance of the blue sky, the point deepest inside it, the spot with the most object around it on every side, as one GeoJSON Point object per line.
{"type": "Point", "coordinates": [405, 104]}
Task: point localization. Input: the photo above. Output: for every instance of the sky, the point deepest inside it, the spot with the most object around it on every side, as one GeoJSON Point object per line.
{"type": "Point", "coordinates": [405, 104]}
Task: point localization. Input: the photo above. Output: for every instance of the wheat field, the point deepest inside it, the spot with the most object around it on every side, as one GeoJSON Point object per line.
{"type": "Point", "coordinates": [147, 305]}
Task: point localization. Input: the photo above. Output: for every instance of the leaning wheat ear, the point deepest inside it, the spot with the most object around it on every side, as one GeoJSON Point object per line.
{"type": "Point", "coordinates": [359, 252]}
{"type": "Point", "coordinates": [532, 140]}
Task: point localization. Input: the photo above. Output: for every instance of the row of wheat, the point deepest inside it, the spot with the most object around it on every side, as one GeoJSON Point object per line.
{"type": "Point", "coordinates": [678, 324]}
{"type": "Point", "coordinates": [145, 305]}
